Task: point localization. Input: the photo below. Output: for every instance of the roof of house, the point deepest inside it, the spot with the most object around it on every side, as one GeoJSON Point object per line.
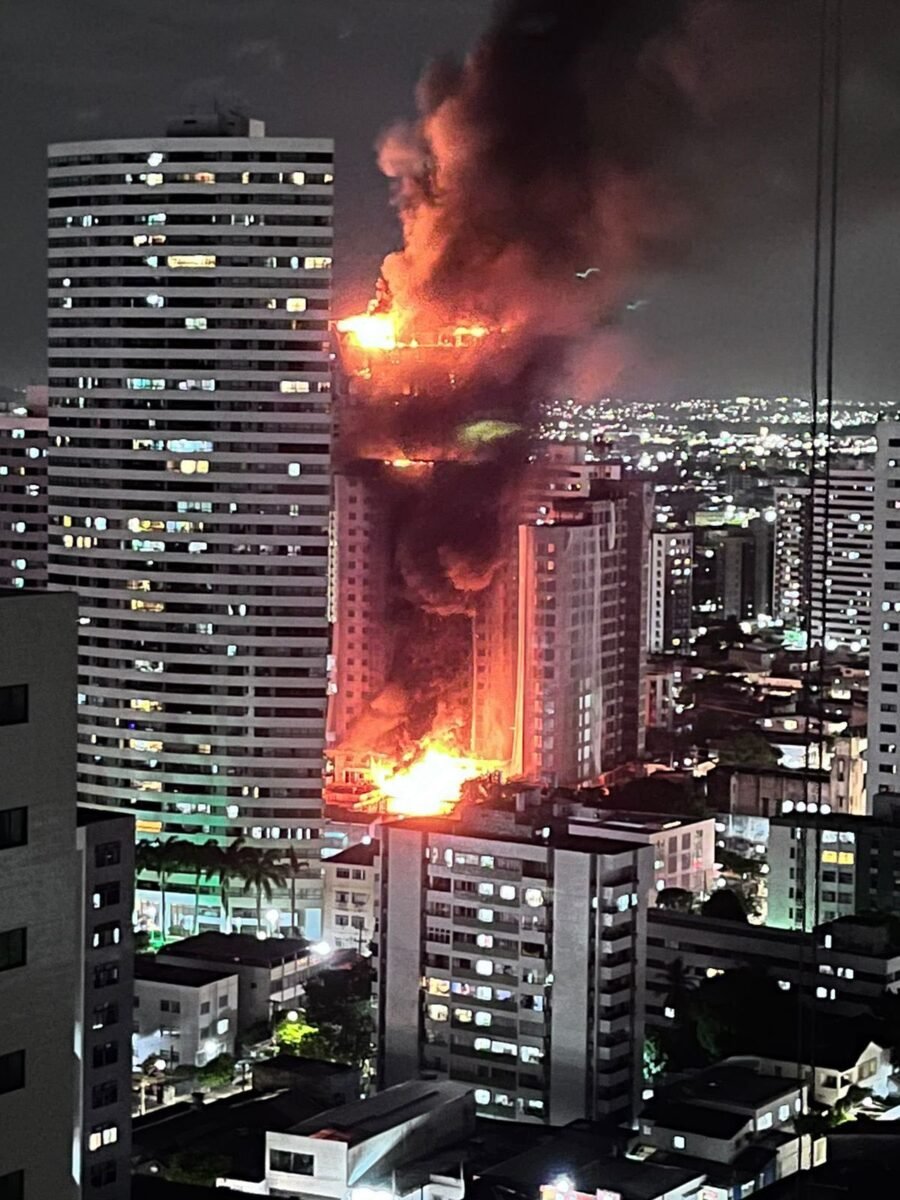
{"type": "Point", "coordinates": [149, 969]}
{"type": "Point", "coordinates": [361, 854]}
{"type": "Point", "coordinates": [241, 948]}
{"type": "Point", "coordinates": [836, 1043]}
{"type": "Point", "coordinates": [363, 1119]}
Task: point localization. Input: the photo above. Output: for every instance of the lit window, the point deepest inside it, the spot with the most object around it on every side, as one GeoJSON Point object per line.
{"type": "Point", "coordinates": [530, 1054]}
{"type": "Point", "coordinates": [484, 966]}
{"type": "Point", "coordinates": [483, 1018]}
{"type": "Point", "coordinates": [669, 1013]}
{"type": "Point", "coordinates": [152, 178]}
{"type": "Point", "coordinates": [507, 891]}
{"type": "Point", "coordinates": [316, 263]}
{"type": "Point", "coordinates": [298, 178]}
{"type": "Point", "coordinates": [678, 1141]}
{"type": "Point", "coordinates": [464, 1016]}
{"type": "Point", "coordinates": [141, 383]}
{"type": "Point", "coordinates": [482, 1043]}
{"type": "Point", "coordinates": [295, 304]}
{"type": "Point", "coordinates": [294, 386]}
{"type": "Point", "coordinates": [482, 1096]}
{"type": "Point", "coordinates": [485, 941]}
{"type": "Point", "coordinates": [765, 1121]}
{"type": "Point", "coordinates": [294, 469]}
{"type": "Point", "coordinates": [438, 987]}
{"type": "Point", "coordinates": [156, 219]}
{"type": "Point", "coordinates": [194, 466]}
{"type": "Point", "coordinates": [155, 300]}
{"type": "Point", "coordinates": [191, 261]}
{"type": "Point", "coordinates": [154, 159]}
{"type": "Point", "coordinates": [438, 1012]}
{"type": "Point", "coordinates": [486, 915]}
{"type": "Point", "coordinates": [103, 1135]}
{"type": "Point", "coordinates": [195, 322]}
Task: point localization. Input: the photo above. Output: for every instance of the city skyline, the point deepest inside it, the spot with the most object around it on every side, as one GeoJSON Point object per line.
{"type": "Point", "coordinates": [723, 321]}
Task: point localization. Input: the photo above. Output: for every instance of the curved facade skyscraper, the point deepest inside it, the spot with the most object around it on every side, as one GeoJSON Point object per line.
{"type": "Point", "coordinates": [189, 291]}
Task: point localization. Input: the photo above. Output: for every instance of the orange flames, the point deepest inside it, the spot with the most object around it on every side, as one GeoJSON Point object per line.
{"type": "Point", "coordinates": [371, 331]}
{"type": "Point", "coordinates": [429, 786]}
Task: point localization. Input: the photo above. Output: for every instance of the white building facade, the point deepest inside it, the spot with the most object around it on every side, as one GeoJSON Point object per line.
{"type": "Point", "coordinates": [186, 1015]}
{"type": "Point", "coordinates": [514, 963]}
{"type": "Point", "coordinates": [189, 292]}
{"type": "Point", "coordinates": [884, 663]}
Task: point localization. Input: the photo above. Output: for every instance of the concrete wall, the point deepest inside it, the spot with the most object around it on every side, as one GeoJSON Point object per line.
{"type": "Point", "coordinates": [400, 961]}
{"type": "Point", "coordinates": [41, 1005]}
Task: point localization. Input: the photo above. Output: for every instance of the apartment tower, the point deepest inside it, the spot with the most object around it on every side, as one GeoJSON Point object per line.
{"type": "Point", "coordinates": [189, 285]}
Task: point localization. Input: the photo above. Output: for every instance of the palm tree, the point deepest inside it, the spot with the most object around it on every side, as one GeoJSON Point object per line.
{"type": "Point", "coordinates": [204, 860]}
{"type": "Point", "coordinates": [169, 857]}
{"type": "Point", "coordinates": [262, 872]}
{"type": "Point", "coordinates": [229, 868]}
{"type": "Point", "coordinates": [294, 866]}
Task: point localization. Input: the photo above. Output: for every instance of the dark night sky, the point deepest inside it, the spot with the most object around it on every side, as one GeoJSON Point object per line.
{"type": "Point", "coordinates": [732, 317]}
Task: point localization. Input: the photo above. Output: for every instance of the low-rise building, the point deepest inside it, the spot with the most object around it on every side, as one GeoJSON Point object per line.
{"type": "Point", "coordinates": [270, 971]}
{"type": "Point", "coordinates": [390, 1143]}
{"type": "Point", "coordinates": [350, 883]}
{"type": "Point", "coordinates": [846, 963]}
{"type": "Point", "coordinates": [183, 1014]}
{"type": "Point", "coordinates": [735, 1121]}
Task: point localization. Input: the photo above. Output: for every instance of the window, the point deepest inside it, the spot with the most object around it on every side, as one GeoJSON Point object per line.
{"type": "Point", "coordinates": [438, 1012]}
{"type": "Point", "coordinates": [104, 1015]}
{"type": "Point", "coordinates": [12, 1186]}
{"type": "Point", "coordinates": [108, 934]}
{"type": "Point", "coordinates": [678, 1142]}
{"type": "Point", "coordinates": [13, 826]}
{"type": "Point", "coordinates": [12, 948]}
{"type": "Point", "coordinates": [103, 1174]}
{"type": "Point", "coordinates": [103, 1135]}
{"type": "Point", "coordinates": [765, 1121]}
{"type": "Point", "coordinates": [292, 1163]}
{"type": "Point", "coordinates": [172, 1006]}
{"type": "Point", "coordinates": [204, 1007]}
{"type": "Point", "coordinates": [105, 1054]}
{"type": "Point", "coordinates": [176, 261]}
{"type": "Point", "coordinates": [106, 894]}
{"type": "Point", "coordinates": [108, 854]}
{"type": "Point", "coordinates": [14, 704]}
{"type": "Point", "coordinates": [12, 1071]}
{"type": "Point", "coordinates": [106, 974]}
{"type": "Point", "coordinates": [104, 1093]}
{"type": "Point", "coordinates": [223, 1001]}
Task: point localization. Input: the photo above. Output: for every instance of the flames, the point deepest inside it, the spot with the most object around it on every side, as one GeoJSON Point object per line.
{"type": "Point", "coordinates": [430, 785]}
{"type": "Point", "coordinates": [371, 331]}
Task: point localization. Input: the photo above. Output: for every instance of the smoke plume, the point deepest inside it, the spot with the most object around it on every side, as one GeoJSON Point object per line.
{"type": "Point", "coordinates": [538, 182]}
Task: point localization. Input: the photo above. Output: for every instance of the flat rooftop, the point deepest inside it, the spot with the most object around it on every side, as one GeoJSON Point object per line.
{"type": "Point", "coordinates": [150, 970]}
{"type": "Point", "coordinates": [240, 948]}
{"type": "Point", "coordinates": [362, 854]}
{"type": "Point", "coordinates": [364, 1119]}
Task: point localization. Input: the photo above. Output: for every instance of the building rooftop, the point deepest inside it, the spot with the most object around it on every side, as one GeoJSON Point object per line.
{"type": "Point", "coordinates": [364, 1119]}
{"type": "Point", "coordinates": [148, 968]}
{"type": "Point", "coordinates": [85, 815]}
{"type": "Point", "coordinates": [557, 838]}
{"type": "Point", "coordinates": [240, 948]}
{"type": "Point", "coordinates": [362, 854]}
{"type": "Point", "coordinates": [832, 1042]}
{"type": "Point", "coordinates": [586, 1157]}
{"type": "Point", "coordinates": [297, 1064]}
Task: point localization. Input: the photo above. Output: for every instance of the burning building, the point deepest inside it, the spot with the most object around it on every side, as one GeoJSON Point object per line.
{"type": "Point", "coordinates": [490, 605]}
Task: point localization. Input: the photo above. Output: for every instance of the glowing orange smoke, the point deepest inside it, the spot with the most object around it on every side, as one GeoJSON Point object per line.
{"type": "Point", "coordinates": [430, 786]}
{"type": "Point", "coordinates": [371, 331]}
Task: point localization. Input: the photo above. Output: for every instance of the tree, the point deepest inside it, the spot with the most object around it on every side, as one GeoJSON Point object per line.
{"type": "Point", "coordinates": [229, 868]}
{"type": "Point", "coordinates": [295, 865]}
{"type": "Point", "coordinates": [163, 858]}
{"type": "Point", "coordinates": [261, 872]}
{"type": "Point", "coordinates": [339, 1006]}
{"type": "Point", "coordinates": [729, 1009]}
{"type": "Point", "coordinates": [748, 749]}
{"type": "Point", "coordinates": [675, 899]}
{"type": "Point", "coordinates": [196, 1167]}
{"type": "Point", "coordinates": [725, 905]}
{"type": "Point", "coordinates": [292, 1032]}
{"type": "Point", "coordinates": [679, 984]}
{"type": "Point", "coordinates": [204, 861]}
{"type": "Point", "coordinates": [655, 1058]}
{"type": "Point", "coordinates": [218, 1072]}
